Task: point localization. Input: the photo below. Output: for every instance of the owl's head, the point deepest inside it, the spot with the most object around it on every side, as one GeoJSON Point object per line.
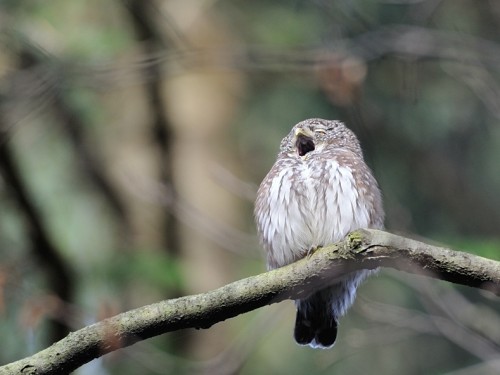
{"type": "Point", "coordinates": [316, 135]}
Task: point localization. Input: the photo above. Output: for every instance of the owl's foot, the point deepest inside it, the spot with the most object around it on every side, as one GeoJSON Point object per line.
{"type": "Point", "coordinates": [311, 251]}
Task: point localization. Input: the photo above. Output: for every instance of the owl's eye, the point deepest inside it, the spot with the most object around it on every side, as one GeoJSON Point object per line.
{"type": "Point", "coordinates": [304, 144]}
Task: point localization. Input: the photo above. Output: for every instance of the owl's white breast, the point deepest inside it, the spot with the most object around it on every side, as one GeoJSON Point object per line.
{"type": "Point", "coordinates": [310, 203]}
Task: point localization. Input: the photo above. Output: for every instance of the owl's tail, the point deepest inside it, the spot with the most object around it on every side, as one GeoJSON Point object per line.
{"type": "Point", "coordinates": [316, 334]}
{"type": "Point", "coordinates": [318, 314]}
{"type": "Point", "coordinates": [315, 324]}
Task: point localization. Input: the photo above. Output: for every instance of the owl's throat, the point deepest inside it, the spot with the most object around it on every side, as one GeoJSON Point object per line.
{"type": "Point", "coordinates": [304, 144]}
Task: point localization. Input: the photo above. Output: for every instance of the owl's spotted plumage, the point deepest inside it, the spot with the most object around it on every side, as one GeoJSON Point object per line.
{"type": "Point", "coordinates": [318, 190]}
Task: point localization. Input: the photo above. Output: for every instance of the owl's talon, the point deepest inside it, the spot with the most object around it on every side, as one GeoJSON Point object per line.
{"type": "Point", "coordinates": [311, 251]}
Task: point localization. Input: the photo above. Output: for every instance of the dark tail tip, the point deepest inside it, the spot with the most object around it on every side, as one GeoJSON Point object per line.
{"type": "Point", "coordinates": [317, 333]}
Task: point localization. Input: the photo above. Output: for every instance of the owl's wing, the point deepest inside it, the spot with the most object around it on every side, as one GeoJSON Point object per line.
{"type": "Point", "coordinates": [275, 207]}
{"type": "Point", "coordinates": [366, 186]}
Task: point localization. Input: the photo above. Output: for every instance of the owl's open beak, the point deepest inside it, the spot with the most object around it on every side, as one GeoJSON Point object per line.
{"type": "Point", "coordinates": [304, 142]}
{"type": "Point", "coordinates": [301, 131]}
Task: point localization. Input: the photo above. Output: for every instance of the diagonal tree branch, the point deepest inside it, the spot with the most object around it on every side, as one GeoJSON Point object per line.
{"type": "Point", "coordinates": [43, 247]}
{"type": "Point", "coordinates": [361, 249]}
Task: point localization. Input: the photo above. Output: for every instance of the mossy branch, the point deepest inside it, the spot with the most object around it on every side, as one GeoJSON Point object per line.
{"type": "Point", "coordinates": [363, 249]}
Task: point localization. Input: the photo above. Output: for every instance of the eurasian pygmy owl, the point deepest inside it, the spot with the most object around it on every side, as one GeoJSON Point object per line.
{"type": "Point", "coordinates": [318, 190]}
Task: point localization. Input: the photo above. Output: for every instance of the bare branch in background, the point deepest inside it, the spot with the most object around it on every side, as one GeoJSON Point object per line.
{"type": "Point", "coordinates": [50, 82]}
{"type": "Point", "coordinates": [43, 248]}
{"type": "Point", "coordinates": [410, 42]}
{"type": "Point", "coordinates": [222, 234]}
{"type": "Point", "coordinates": [141, 14]}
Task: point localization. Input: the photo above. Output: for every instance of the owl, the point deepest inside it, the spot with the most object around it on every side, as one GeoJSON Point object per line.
{"type": "Point", "coordinates": [318, 190]}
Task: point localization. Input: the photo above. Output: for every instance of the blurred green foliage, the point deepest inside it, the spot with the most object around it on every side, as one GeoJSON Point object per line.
{"type": "Point", "coordinates": [417, 81]}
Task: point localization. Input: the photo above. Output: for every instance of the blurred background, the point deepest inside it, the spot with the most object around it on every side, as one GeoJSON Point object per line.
{"type": "Point", "coordinates": [134, 134]}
